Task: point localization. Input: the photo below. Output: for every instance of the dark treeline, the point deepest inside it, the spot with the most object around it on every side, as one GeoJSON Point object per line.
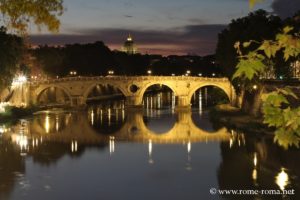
{"type": "Point", "coordinates": [257, 26]}
{"type": "Point", "coordinates": [97, 59]}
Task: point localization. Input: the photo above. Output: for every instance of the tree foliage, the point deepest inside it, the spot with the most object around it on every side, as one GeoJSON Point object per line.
{"type": "Point", "coordinates": [277, 110]}
{"type": "Point", "coordinates": [253, 63]}
{"type": "Point", "coordinates": [18, 15]}
{"type": "Point", "coordinates": [11, 51]}
{"type": "Point", "coordinates": [257, 26]}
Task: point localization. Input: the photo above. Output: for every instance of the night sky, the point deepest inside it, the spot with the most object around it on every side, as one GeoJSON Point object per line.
{"type": "Point", "coordinates": [157, 26]}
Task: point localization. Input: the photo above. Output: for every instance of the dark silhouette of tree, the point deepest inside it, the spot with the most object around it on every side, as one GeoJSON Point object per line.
{"type": "Point", "coordinates": [257, 26]}
{"type": "Point", "coordinates": [11, 50]}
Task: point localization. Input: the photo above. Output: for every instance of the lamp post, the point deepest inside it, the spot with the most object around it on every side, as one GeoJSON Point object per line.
{"type": "Point", "coordinates": [149, 72]}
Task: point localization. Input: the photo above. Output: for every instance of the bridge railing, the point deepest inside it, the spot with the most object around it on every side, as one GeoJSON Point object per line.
{"type": "Point", "coordinates": [127, 78]}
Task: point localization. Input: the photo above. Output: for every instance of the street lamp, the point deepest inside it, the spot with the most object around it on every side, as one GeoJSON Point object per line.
{"type": "Point", "coordinates": [110, 72]}
{"type": "Point", "coordinates": [149, 72]}
{"type": "Point", "coordinates": [213, 74]}
{"type": "Point", "coordinates": [73, 73]}
{"type": "Point", "coordinates": [200, 74]}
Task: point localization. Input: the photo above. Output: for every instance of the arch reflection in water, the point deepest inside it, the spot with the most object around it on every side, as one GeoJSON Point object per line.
{"type": "Point", "coordinates": [77, 128]}
{"type": "Point", "coordinates": [107, 118]}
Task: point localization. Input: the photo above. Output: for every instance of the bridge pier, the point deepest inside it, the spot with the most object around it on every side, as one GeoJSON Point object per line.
{"type": "Point", "coordinates": [77, 101]}
{"type": "Point", "coordinates": [183, 103]}
{"type": "Point", "coordinates": [133, 103]}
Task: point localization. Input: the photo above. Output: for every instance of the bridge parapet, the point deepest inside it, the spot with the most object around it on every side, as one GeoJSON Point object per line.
{"type": "Point", "coordinates": [128, 78]}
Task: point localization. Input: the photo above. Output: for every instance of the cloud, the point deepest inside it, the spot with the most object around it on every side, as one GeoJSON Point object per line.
{"type": "Point", "coordinates": [197, 39]}
{"type": "Point", "coordinates": [286, 8]}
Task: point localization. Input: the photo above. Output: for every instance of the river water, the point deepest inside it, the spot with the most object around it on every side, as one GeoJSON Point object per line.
{"type": "Point", "coordinates": [108, 152]}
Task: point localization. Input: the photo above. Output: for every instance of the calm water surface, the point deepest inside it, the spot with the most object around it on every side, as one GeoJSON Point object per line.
{"type": "Point", "coordinates": [109, 153]}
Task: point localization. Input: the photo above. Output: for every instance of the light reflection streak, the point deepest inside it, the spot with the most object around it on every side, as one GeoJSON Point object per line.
{"type": "Point", "coordinates": [282, 179]}
{"type": "Point", "coordinates": [92, 117]}
{"type": "Point", "coordinates": [200, 103]}
{"type": "Point", "coordinates": [56, 123]}
{"type": "Point", "coordinates": [111, 145]}
{"type": "Point", "coordinates": [74, 146]}
{"type": "Point", "coordinates": [150, 160]}
{"type": "Point", "coordinates": [47, 123]}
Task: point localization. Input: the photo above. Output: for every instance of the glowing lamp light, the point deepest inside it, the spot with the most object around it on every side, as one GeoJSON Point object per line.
{"type": "Point", "coordinates": [282, 179]}
{"type": "Point", "coordinates": [149, 72]}
{"type": "Point", "coordinates": [19, 80]}
{"type": "Point", "coordinates": [110, 72]}
{"type": "Point", "coordinates": [254, 87]}
{"type": "Point", "coordinates": [2, 106]}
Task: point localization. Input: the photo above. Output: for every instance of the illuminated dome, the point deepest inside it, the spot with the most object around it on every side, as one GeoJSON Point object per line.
{"type": "Point", "coordinates": [129, 46]}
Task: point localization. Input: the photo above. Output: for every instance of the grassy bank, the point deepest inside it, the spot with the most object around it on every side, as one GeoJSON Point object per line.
{"type": "Point", "coordinates": [234, 118]}
{"type": "Point", "coordinates": [14, 113]}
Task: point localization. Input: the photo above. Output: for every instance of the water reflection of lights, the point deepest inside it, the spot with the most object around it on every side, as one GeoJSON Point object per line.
{"type": "Point", "coordinates": [3, 106]}
{"type": "Point", "coordinates": [255, 159]}
{"type": "Point", "coordinates": [109, 116]}
{"type": "Point", "coordinates": [200, 103]}
{"type": "Point", "coordinates": [111, 144]}
{"type": "Point", "coordinates": [159, 101]}
{"type": "Point", "coordinates": [237, 137]}
{"type": "Point", "coordinates": [3, 129]}
{"type": "Point", "coordinates": [92, 117]}
{"type": "Point", "coordinates": [230, 143]}
{"type": "Point", "coordinates": [189, 147]}
{"type": "Point", "coordinates": [35, 142]}
{"type": "Point", "coordinates": [56, 122]}
{"type": "Point", "coordinates": [21, 141]}
{"type": "Point", "coordinates": [254, 172]}
{"type": "Point", "coordinates": [205, 96]}
{"type": "Point", "coordinates": [254, 175]}
{"type": "Point", "coordinates": [173, 101]}
{"type": "Point", "coordinates": [123, 114]}
{"type": "Point", "coordinates": [117, 115]}
{"type": "Point", "coordinates": [150, 160]}
{"type": "Point", "coordinates": [74, 146]}
{"type": "Point", "coordinates": [282, 179]}
{"type": "Point", "coordinates": [47, 123]}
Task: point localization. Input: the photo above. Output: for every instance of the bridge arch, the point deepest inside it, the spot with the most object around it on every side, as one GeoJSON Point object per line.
{"type": "Point", "coordinates": [148, 85]}
{"type": "Point", "coordinates": [41, 90]}
{"type": "Point", "coordinates": [93, 85]}
{"type": "Point", "coordinates": [226, 88]}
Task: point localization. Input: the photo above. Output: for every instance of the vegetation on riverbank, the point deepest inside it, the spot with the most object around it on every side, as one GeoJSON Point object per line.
{"type": "Point", "coordinates": [235, 118]}
{"type": "Point", "coordinates": [14, 113]}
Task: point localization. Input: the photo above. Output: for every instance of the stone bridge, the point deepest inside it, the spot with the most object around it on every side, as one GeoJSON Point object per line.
{"type": "Point", "coordinates": [133, 88]}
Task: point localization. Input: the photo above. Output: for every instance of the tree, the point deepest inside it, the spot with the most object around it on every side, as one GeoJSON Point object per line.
{"type": "Point", "coordinates": [277, 110]}
{"type": "Point", "coordinates": [11, 51]}
{"type": "Point", "coordinates": [256, 26]}
{"type": "Point", "coordinates": [18, 15]}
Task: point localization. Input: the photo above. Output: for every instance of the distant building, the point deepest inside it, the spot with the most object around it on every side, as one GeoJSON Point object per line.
{"type": "Point", "coordinates": [129, 47]}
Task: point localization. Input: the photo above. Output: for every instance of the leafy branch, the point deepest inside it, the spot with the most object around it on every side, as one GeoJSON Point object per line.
{"type": "Point", "coordinates": [276, 108]}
